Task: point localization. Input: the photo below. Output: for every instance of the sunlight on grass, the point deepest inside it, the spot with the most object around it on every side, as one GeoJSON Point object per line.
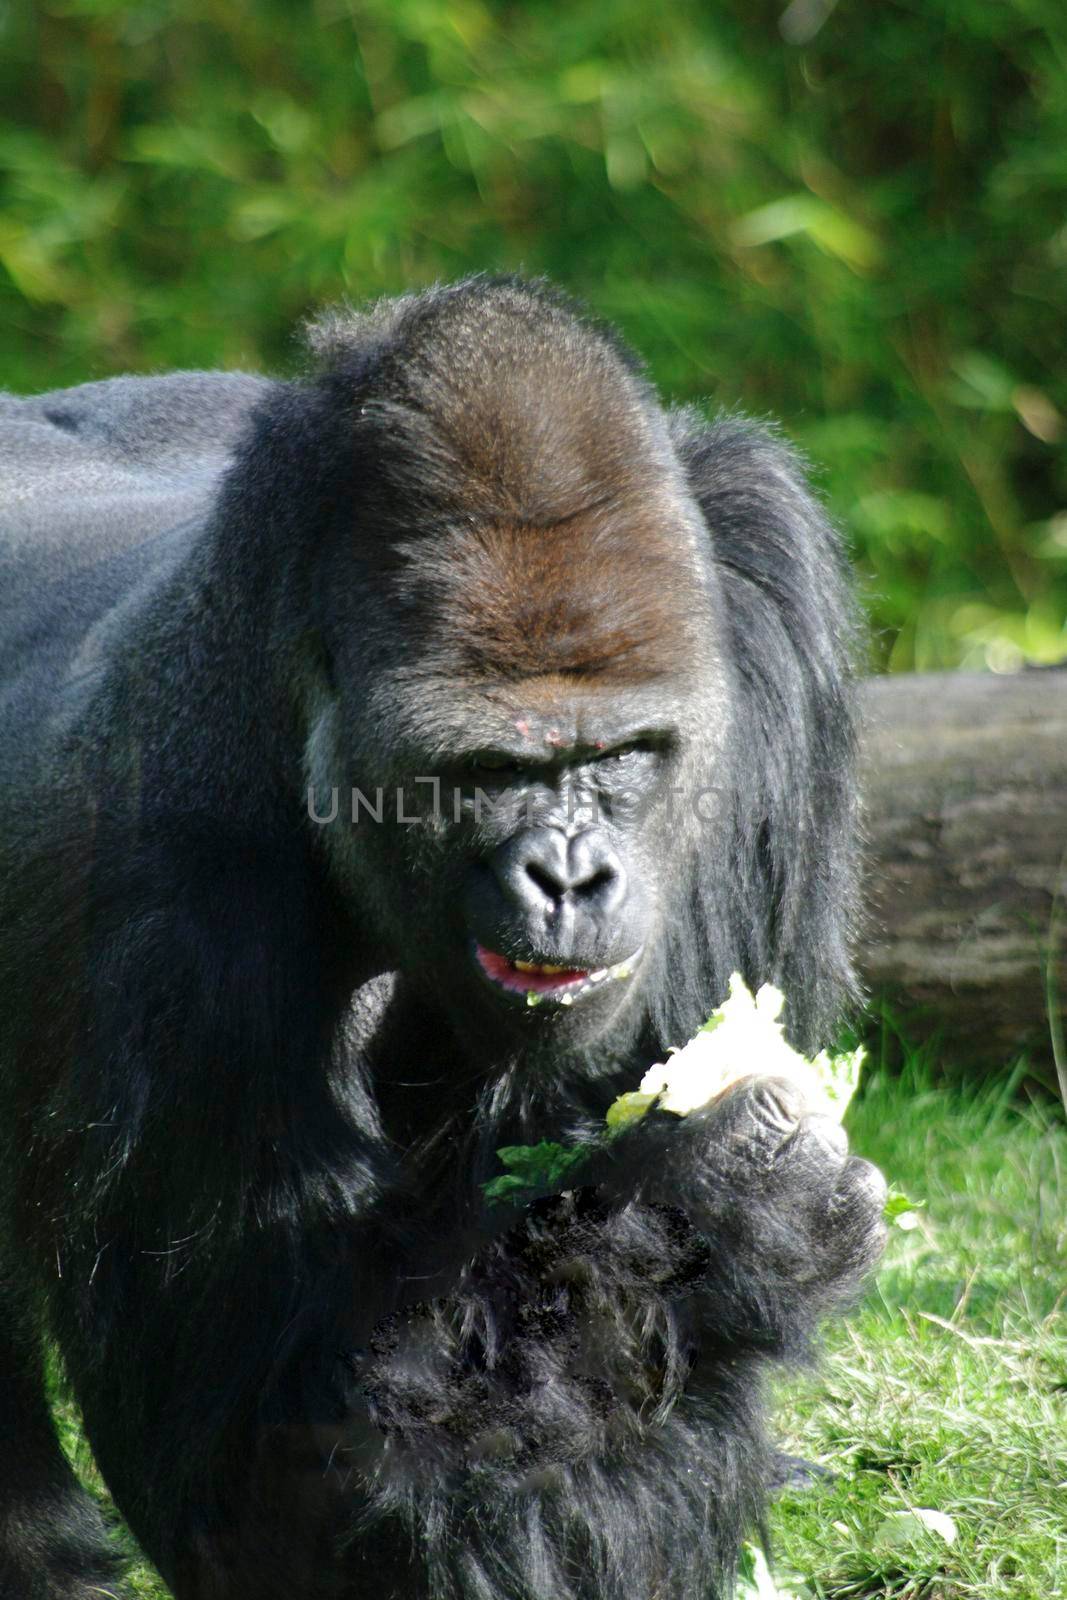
{"type": "Point", "coordinates": [947, 1390]}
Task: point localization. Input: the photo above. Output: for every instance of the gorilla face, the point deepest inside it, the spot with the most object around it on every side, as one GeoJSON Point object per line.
{"type": "Point", "coordinates": [559, 896]}
{"type": "Point", "coordinates": [541, 844]}
{"type": "Point", "coordinates": [559, 891]}
{"type": "Point", "coordinates": [539, 657]}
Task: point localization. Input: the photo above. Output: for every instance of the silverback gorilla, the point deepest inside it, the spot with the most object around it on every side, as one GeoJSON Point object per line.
{"type": "Point", "coordinates": [396, 761]}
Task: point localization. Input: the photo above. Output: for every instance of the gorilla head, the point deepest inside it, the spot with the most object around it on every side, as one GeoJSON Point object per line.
{"type": "Point", "coordinates": [397, 761]}
{"type": "Point", "coordinates": [575, 717]}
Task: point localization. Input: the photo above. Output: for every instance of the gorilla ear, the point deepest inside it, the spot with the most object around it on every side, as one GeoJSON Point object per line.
{"type": "Point", "coordinates": [792, 637]}
{"type": "Point", "coordinates": [778, 555]}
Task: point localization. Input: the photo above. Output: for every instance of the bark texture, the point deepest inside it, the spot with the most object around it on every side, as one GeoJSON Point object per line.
{"type": "Point", "coordinates": [966, 786]}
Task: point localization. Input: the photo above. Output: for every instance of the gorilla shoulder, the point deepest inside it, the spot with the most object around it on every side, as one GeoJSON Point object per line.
{"type": "Point", "coordinates": [104, 465]}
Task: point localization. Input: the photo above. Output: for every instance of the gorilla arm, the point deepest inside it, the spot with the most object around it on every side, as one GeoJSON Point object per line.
{"type": "Point", "coordinates": [606, 1355]}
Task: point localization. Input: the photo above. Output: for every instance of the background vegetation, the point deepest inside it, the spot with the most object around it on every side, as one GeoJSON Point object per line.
{"type": "Point", "coordinates": [847, 214]}
{"type": "Point", "coordinates": [851, 216]}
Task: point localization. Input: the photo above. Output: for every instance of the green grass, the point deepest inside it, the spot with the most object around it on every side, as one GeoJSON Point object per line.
{"type": "Point", "coordinates": [947, 1388]}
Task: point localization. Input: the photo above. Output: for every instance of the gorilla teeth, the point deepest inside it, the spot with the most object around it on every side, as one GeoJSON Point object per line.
{"type": "Point", "coordinates": [548, 981]}
{"type": "Point", "coordinates": [569, 996]}
{"type": "Point", "coordinates": [545, 969]}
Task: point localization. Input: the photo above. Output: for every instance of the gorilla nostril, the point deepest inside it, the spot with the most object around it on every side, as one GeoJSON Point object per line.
{"type": "Point", "coordinates": [594, 872]}
{"type": "Point", "coordinates": [542, 865]}
{"type": "Point", "coordinates": [550, 886]}
{"type": "Point", "coordinates": [555, 885]}
{"type": "Point", "coordinates": [600, 880]}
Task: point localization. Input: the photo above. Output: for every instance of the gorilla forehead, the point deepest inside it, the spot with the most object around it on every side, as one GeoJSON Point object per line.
{"type": "Point", "coordinates": [529, 506]}
{"type": "Point", "coordinates": [492, 403]}
{"type": "Point", "coordinates": [605, 596]}
{"type": "Point", "coordinates": [499, 400]}
{"type": "Point", "coordinates": [513, 496]}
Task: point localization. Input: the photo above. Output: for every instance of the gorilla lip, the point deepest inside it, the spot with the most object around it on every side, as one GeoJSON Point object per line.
{"type": "Point", "coordinates": [520, 977]}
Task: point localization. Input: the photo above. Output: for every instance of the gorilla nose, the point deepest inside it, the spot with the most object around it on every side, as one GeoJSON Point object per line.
{"type": "Point", "coordinates": [542, 869]}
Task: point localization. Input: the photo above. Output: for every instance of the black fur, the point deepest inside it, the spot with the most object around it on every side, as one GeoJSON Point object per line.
{"type": "Point", "coordinates": [252, 1079]}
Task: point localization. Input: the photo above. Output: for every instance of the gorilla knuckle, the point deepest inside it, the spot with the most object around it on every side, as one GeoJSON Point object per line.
{"type": "Point", "coordinates": [863, 1183]}
{"type": "Point", "coordinates": [776, 1106]}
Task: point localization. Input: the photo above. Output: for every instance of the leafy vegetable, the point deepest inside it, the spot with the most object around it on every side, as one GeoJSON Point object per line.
{"type": "Point", "coordinates": [533, 1167]}
{"type": "Point", "coordinates": [743, 1038]}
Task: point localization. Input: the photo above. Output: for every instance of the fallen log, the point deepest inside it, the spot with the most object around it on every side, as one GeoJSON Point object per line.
{"type": "Point", "coordinates": [966, 793]}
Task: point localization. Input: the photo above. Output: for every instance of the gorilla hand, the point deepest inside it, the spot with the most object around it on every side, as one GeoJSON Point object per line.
{"type": "Point", "coordinates": [791, 1220]}
{"type": "Point", "coordinates": [725, 1234]}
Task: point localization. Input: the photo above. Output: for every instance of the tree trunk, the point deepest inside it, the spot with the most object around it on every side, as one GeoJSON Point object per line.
{"type": "Point", "coordinates": [966, 792]}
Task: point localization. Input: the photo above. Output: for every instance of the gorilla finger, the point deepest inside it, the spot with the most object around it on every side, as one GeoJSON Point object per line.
{"type": "Point", "coordinates": [861, 1187]}
{"type": "Point", "coordinates": [761, 1110]}
{"type": "Point", "coordinates": [853, 1229]}
{"type": "Point", "coordinates": [814, 1154]}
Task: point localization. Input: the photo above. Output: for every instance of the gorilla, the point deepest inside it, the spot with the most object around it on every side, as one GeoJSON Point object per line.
{"type": "Point", "coordinates": [397, 761]}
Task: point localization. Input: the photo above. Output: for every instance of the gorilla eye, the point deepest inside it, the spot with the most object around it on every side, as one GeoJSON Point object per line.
{"type": "Point", "coordinates": [627, 752]}
{"type": "Point", "coordinates": [493, 761]}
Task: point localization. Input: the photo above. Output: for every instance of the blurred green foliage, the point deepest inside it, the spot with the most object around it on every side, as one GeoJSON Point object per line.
{"type": "Point", "coordinates": [852, 216]}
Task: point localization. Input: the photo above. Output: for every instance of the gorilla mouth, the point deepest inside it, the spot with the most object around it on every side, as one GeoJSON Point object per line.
{"type": "Point", "coordinates": [545, 979]}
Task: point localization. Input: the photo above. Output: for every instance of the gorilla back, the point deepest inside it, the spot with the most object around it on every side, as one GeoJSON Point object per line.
{"type": "Point", "coordinates": [397, 761]}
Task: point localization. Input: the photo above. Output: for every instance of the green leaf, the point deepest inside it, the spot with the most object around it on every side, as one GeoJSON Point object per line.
{"type": "Point", "coordinates": [500, 1188]}
{"type": "Point", "coordinates": [906, 1529]}
{"type": "Point", "coordinates": [627, 1109]}
{"type": "Point", "coordinates": [533, 1168]}
{"type": "Point", "coordinates": [754, 1579]}
{"type": "Point", "coordinates": [898, 1206]}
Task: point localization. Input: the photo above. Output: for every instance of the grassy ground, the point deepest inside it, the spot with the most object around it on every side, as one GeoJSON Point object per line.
{"type": "Point", "coordinates": [947, 1389]}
